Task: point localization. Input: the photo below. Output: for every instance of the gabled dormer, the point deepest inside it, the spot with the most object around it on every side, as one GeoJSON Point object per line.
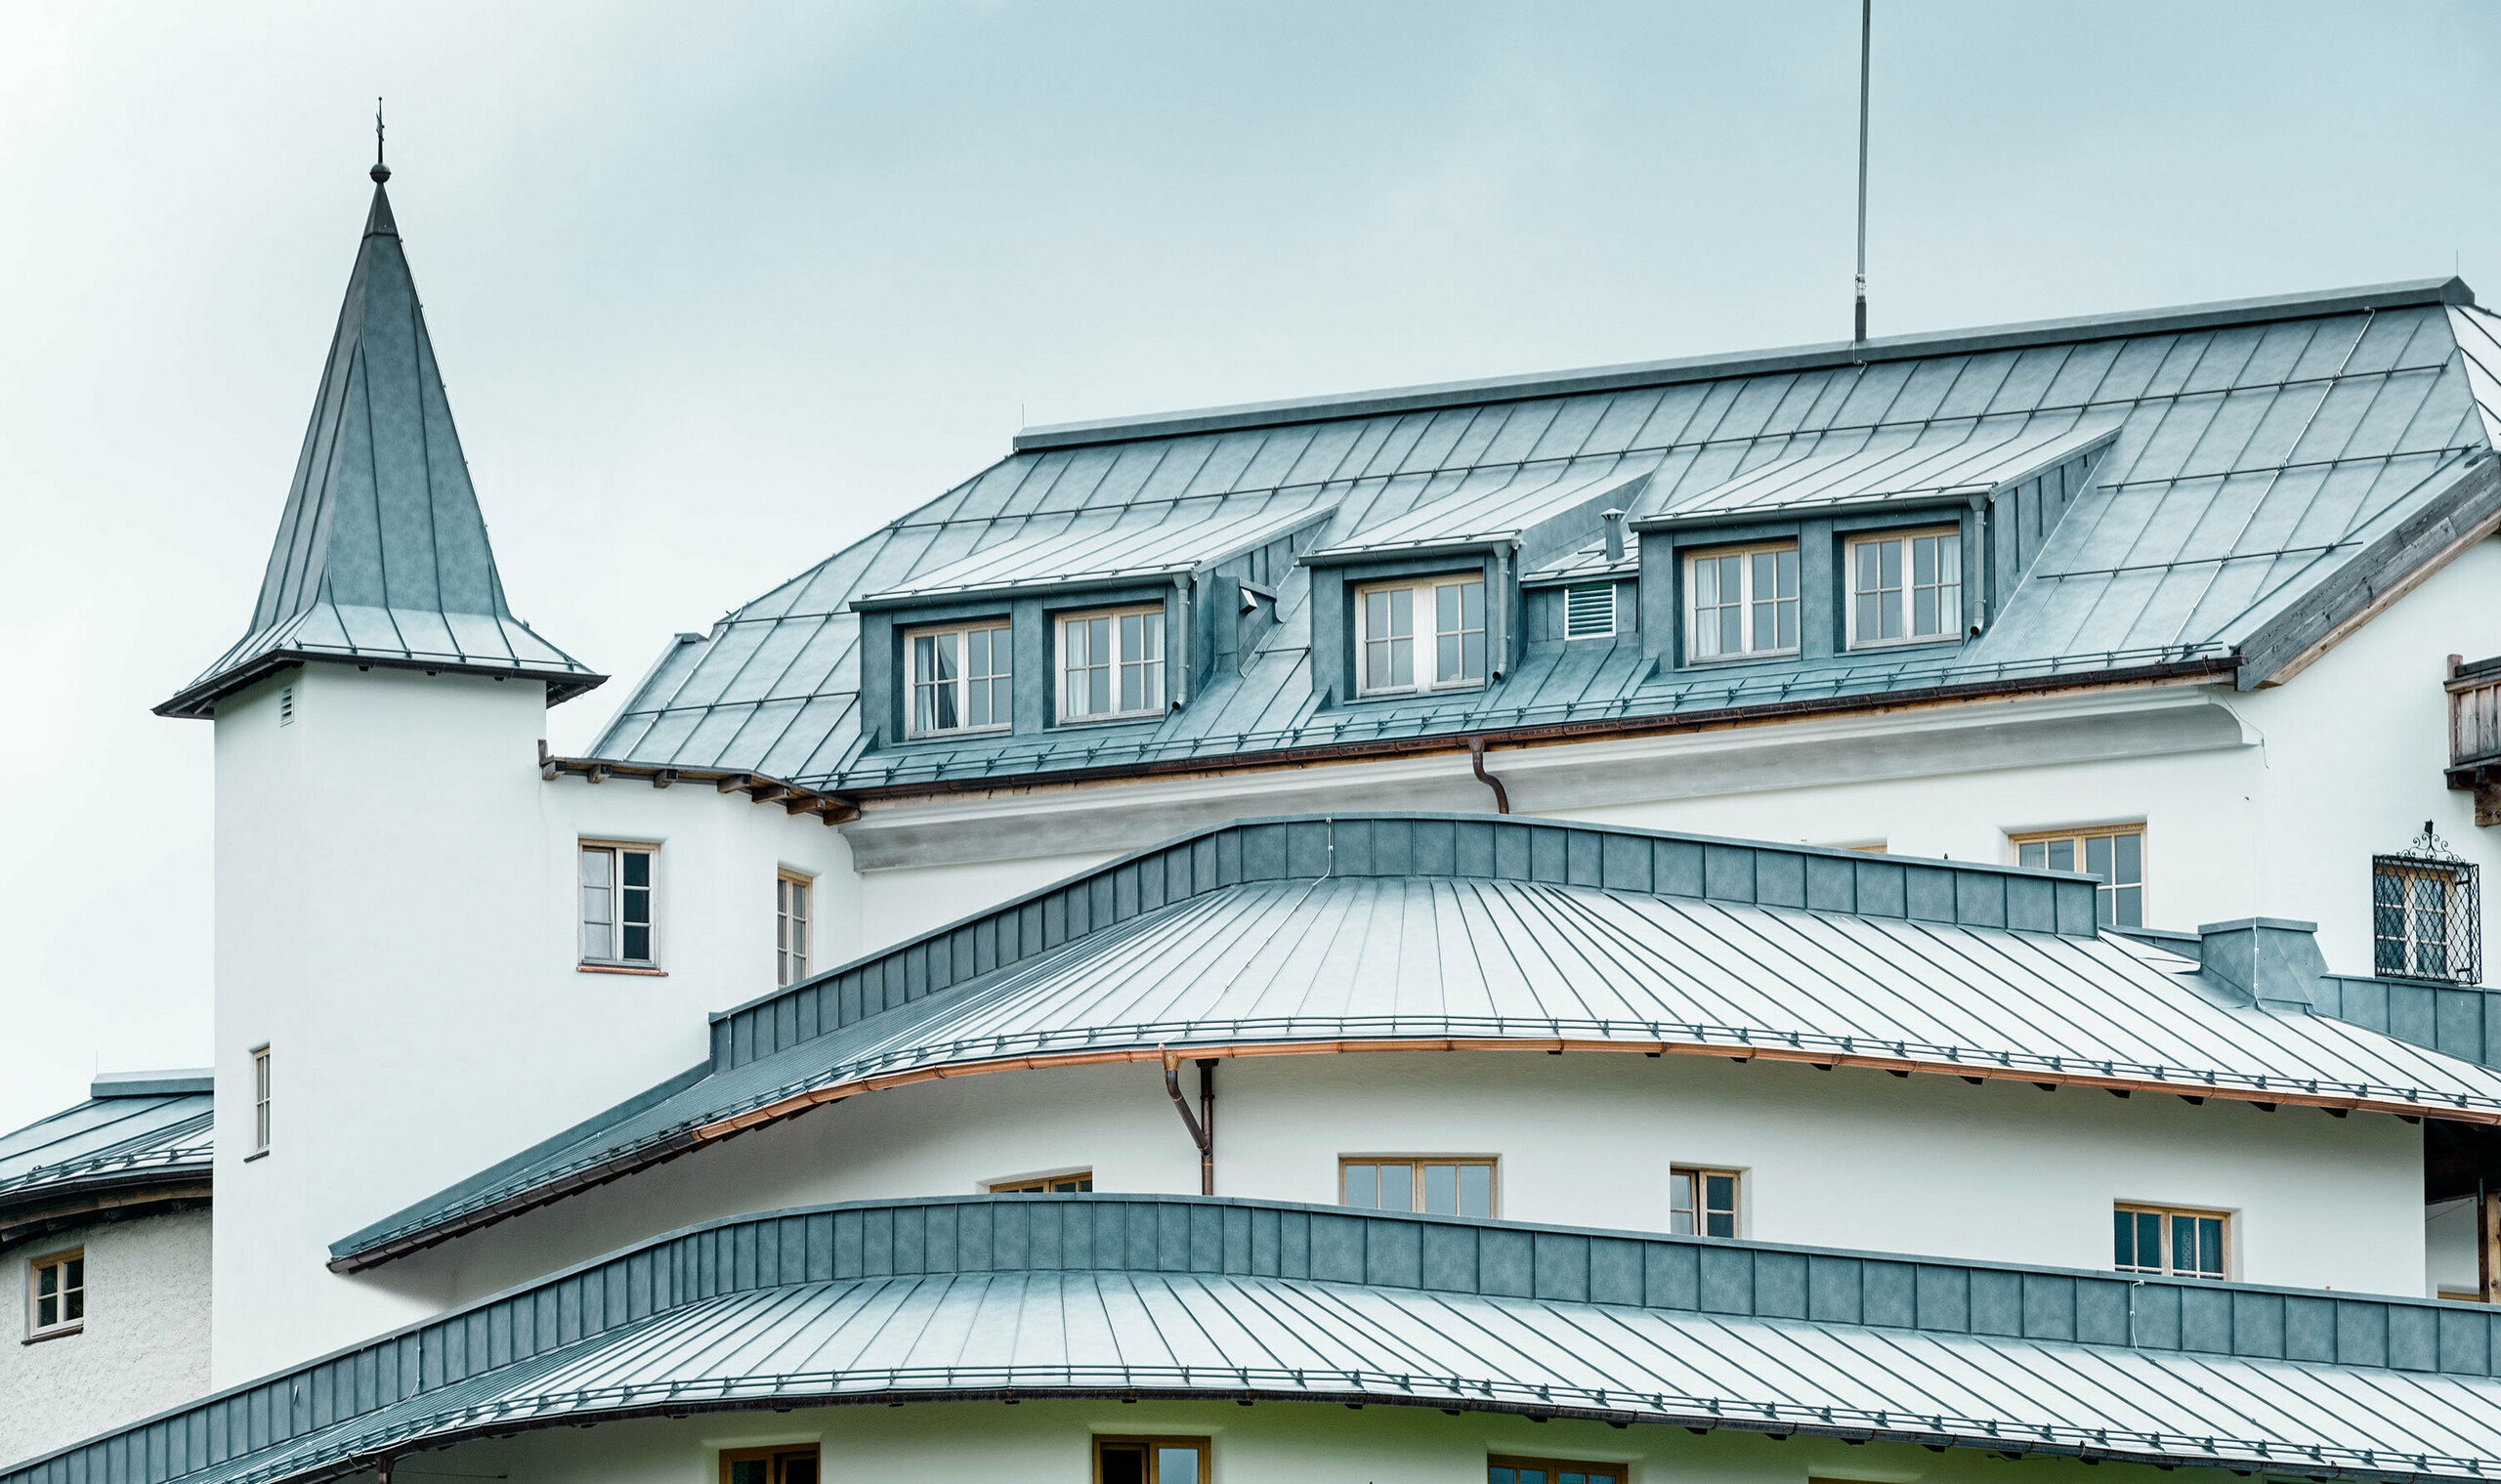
{"type": "Point", "coordinates": [1096, 620]}
{"type": "Point", "coordinates": [1907, 544]}
{"type": "Point", "coordinates": [1429, 603]}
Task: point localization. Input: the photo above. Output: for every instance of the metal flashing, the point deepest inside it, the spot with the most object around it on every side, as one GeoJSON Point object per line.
{"type": "Point", "coordinates": [152, 1083]}
{"type": "Point", "coordinates": [1824, 354]}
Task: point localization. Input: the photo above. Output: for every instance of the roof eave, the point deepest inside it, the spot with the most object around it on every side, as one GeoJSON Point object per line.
{"type": "Point", "coordinates": [198, 701]}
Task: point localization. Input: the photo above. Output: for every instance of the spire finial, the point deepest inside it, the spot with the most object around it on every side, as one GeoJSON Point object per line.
{"type": "Point", "coordinates": [380, 171]}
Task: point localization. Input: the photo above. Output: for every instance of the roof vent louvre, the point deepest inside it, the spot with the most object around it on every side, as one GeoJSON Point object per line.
{"type": "Point", "coordinates": [1589, 611]}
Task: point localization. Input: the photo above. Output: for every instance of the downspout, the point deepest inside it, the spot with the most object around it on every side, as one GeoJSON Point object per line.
{"type": "Point", "coordinates": [1202, 1124]}
{"type": "Point", "coordinates": [1477, 763]}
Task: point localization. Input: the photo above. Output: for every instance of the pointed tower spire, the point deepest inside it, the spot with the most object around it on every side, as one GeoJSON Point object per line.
{"type": "Point", "coordinates": [381, 556]}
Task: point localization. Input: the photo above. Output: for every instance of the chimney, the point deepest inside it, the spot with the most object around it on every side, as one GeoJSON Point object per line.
{"type": "Point", "coordinates": [2271, 961]}
{"type": "Point", "coordinates": [1614, 520]}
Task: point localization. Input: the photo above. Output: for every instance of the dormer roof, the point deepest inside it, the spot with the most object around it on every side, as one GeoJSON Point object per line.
{"type": "Point", "coordinates": [382, 557]}
{"type": "Point", "coordinates": [1899, 467]}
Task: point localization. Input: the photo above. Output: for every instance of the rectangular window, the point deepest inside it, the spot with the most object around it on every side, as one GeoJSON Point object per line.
{"type": "Point", "coordinates": [2115, 853]}
{"type": "Point", "coordinates": [1152, 1461]}
{"type": "Point", "coordinates": [1110, 665]}
{"type": "Point", "coordinates": [1420, 636]}
{"type": "Point", "coordinates": [260, 1099]}
{"type": "Point", "coordinates": [2425, 920]}
{"type": "Point", "coordinates": [1453, 1185]}
{"type": "Point", "coordinates": [1505, 1471]}
{"type": "Point", "coordinates": [795, 1464]}
{"type": "Point", "coordinates": [1906, 589]}
{"type": "Point", "coordinates": [790, 917]}
{"type": "Point", "coordinates": [1589, 611]}
{"type": "Point", "coordinates": [1702, 1203]}
{"type": "Point", "coordinates": [1049, 1185]}
{"type": "Point", "coordinates": [57, 1294]}
{"type": "Point", "coordinates": [960, 680]}
{"type": "Point", "coordinates": [2185, 1244]}
{"type": "Point", "coordinates": [1743, 602]}
{"type": "Point", "coordinates": [616, 905]}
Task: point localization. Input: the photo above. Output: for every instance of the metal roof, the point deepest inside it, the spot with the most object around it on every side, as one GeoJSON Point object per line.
{"type": "Point", "coordinates": [1170, 1296]}
{"type": "Point", "coordinates": [1092, 547]}
{"type": "Point", "coordinates": [382, 556]}
{"type": "Point", "coordinates": [136, 1126]}
{"type": "Point", "coordinates": [1941, 461]}
{"type": "Point", "coordinates": [1498, 504]}
{"type": "Point", "coordinates": [2269, 455]}
{"type": "Point", "coordinates": [1427, 932]}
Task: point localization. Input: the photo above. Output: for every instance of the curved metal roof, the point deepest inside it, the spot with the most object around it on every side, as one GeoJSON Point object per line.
{"type": "Point", "coordinates": [1172, 1296]}
{"type": "Point", "coordinates": [1406, 932]}
{"type": "Point", "coordinates": [139, 1129]}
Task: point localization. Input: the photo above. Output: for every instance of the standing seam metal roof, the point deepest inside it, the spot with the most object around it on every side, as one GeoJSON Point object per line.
{"type": "Point", "coordinates": [1156, 1296]}
{"type": "Point", "coordinates": [2261, 451]}
{"type": "Point", "coordinates": [106, 1138]}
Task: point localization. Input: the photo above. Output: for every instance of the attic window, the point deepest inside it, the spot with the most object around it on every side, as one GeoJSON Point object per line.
{"type": "Point", "coordinates": [1112, 665]}
{"type": "Point", "coordinates": [1442, 617]}
{"type": "Point", "coordinates": [1589, 611]}
{"type": "Point", "coordinates": [1906, 589]}
{"type": "Point", "coordinates": [1744, 603]}
{"type": "Point", "coordinates": [959, 679]}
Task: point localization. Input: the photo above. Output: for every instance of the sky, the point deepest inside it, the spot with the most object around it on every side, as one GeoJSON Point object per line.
{"type": "Point", "coordinates": [718, 288]}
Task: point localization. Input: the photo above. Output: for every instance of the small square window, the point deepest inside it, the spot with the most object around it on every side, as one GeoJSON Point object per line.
{"type": "Point", "coordinates": [1110, 665]}
{"type": "Point", "coordinates": [792, 917]}
{"type": "Point", "coordinates": [1439, 1185]}
{"type": "Point", "coordinates": [1702, 1203]}
{"type": "Point", "coordinates": [57, 1294]}
{"type": "Point", "coordinates": [1076, 1182]}
{"type": "Point", "coordinates": [1152, 1461]}
{"type": "Point", "coordinates": [2183, 1243]}
{"type": "Point", "coordinates": [1414, 637]}
{"type": "Point", "coordinates": [1741, 604]}
{"type": "Point", "coordinates": [1905, 588]}
{"type": "Point", "coordinates": [1510, 1470]}
{"type": "Point", "coordinates": [2116, 852]}
{"type": "Point", "coordinates": [792, 1464]}
{"type": "Point", "coordinates": [619, 884]}
{"type": "Point", "coordinates": [960, 680]}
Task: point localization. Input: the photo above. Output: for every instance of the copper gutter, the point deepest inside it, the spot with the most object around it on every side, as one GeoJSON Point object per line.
{"type": "Point", "coordinates": [687, 1139]}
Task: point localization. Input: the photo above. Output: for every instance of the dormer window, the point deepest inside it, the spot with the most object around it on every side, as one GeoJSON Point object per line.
{"type": "Point", "coordinates": [1905, 587]}
{"type": "Point", "coordinates": [1110, 665]}
{"type": "Point", "coordinates": [1744, 603]}
{"type": "Point", "coordinates": [1426, 635]}
{"type": "Point", "coordinates": [959, 679]}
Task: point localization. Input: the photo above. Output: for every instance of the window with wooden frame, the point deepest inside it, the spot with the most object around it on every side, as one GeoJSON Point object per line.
{"type": "Point", "coordinates": [261, 1098]}
{"type": "Point", "coordinates": [57, 1294]}
{"type": "Point", "coordinates": [1152, 1461]}
{"type": "Point", "coordinates": [791, 915]}
{"type": "Point", "coordinates": [959, 679]}
{"type": "Point", "coordinates": [1905, 587]}
{"type": "Point", "coordinates": [791, 1463]}
{"type": "Point", "coordinates": [617, 889]}
{"type": "Point", "coordinates": [2427, 913]}
{"type": "Point", "coordinates": [1075, 1183]}
{"type": "Point", "coordinates": [1741, 604]}
{"type": "Point", "coordinates": [2116, 852]}
{"type": "Point", "coordinates": [1703, 1202]}
{"type": "Point", "coordinates": [1418, 636]}
{"type": "Point", "coordinates": [1589, 611]}
{"type": "Point", "coordinates": [1502, 1469]}
{"type": "Point", "coordinates": [2157, 1239]}
{"type": "Point", "coordinates": [1440, 1185]}
{"type": "Point", "coordinates": [1110, 665]}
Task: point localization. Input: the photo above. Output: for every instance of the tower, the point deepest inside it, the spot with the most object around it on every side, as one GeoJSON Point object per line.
{"type": "Point", "coordinates": [380, 868]}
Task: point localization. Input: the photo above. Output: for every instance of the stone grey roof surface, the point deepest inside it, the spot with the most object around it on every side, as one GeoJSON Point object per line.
{"type": "Point", "coordinates": [2264, 451]}
{"type": "Point", "coordinates": [381, 556]}
{"type": "Point", "coordinates": [161, 1124]}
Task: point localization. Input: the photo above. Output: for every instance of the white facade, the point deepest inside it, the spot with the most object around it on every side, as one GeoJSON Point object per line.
{"type": "Point", "coordinates": [143, 1346]}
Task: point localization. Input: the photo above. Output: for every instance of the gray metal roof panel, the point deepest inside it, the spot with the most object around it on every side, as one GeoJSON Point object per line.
{"type": "Point", "coordinates": [113, 1134]}
{"type": "Point", "coordinates": [381, 554]}
{"type": "Point", "coordinates": [1142, 1295]}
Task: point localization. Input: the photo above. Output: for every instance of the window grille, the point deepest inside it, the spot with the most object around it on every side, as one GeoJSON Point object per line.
{"type": "Point", "coordinates": [2427, 913]}
{"type": "Point", "coordinates": [1589, 611]}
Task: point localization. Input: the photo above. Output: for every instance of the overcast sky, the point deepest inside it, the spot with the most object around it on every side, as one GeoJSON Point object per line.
{"type": "Point", "coordinates": [718, 287]}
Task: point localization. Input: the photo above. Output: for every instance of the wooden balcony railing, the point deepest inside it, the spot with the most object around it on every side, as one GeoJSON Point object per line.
{"type": "Point", "coordinates": [2474, 734]}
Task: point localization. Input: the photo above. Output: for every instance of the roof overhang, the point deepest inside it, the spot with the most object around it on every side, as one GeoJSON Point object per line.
{"type": "Point", "coordinates": [199, 700]}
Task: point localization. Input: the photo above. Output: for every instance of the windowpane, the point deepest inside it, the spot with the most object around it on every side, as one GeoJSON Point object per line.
{"type": "Point", "coordinates": [637, 865]}
{"type": "Point", "coordinates": [1176, 1465]}
{"type": "Point", "coordinates": [1397, 1192]}
{"type": "Point", "coordinates": [48, 1280]}
{"type": "Point", "coordinates": [1680, 1203]}
{"type": "Point", "coordinates": [47, 1313]}
{"type": "Point", "coordinates": [1363, 1186]}
{"type": "Point", "coordinates": [1441, 1189]}
{"type": "Point", "coordinates": [1124, 1463]}
{"type": "Point", "coordinates": [2062, 854]}
{"type": "Point", "coordinates": [2127, 868]}
{"type": "Point", "coordinates": [2032, 853]}
{"type": "Point", "coordinates": [1476, 1190]}
{"type": "Point", "coordinates": [73, 1305]}
{"type": "Point", "coordinates": [2097, 856]}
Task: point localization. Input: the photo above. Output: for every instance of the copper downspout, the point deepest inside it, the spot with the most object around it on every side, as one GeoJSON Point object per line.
{"type": "Point", "coordinates": [1202, 1124]}
{"type": "Point", "coordinates": [1477, 763]}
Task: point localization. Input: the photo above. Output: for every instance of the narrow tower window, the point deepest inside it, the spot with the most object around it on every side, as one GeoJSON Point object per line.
{"type": "Point", "coordinates": [790, 917]}
{"type": "Point", "coordinates": [260, 1099]}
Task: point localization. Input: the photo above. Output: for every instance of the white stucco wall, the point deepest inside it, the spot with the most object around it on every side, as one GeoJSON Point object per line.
{"type": "Point", "coordinates": [1845, 1159]}
{"type": "Point", "coordinates": [1269, 1443]}
{"type": "Point", "coordinates": [145, 1347]}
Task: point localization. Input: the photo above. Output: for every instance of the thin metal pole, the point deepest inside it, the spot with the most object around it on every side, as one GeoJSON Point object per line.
{"type": "Point", "coordinates": [1866, 33]}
